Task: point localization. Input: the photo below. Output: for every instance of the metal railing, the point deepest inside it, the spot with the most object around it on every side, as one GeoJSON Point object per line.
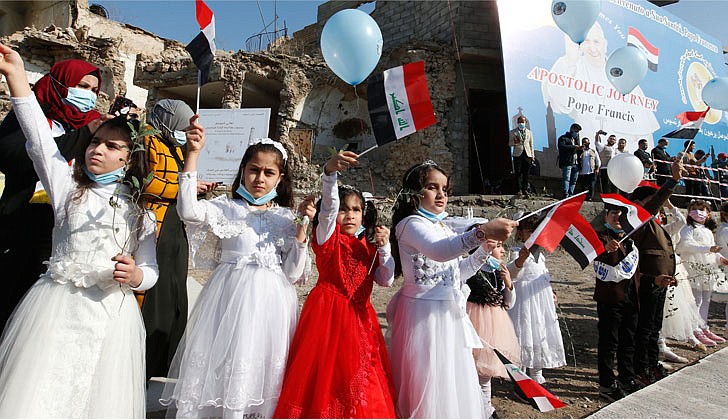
{"type": "Point", "coordinates": [261, 41]}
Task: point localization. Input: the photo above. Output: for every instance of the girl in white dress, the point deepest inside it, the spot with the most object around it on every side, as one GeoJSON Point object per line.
{"type": "Point", "coordinates": [74, 347]}
{"type": "Point", "coordinates": [720, 292]}
{"type": "Point", "coordinates": [702, 259]}
{"type": "Point", "coordinates": [431, 335]}
{"type": "Point", "coordinates": [231, 361]}
{"type": "Point", "coordinates": [534, 312]}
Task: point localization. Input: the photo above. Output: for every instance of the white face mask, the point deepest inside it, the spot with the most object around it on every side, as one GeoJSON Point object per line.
{"type": "Point", "coordinates": [180, 137]}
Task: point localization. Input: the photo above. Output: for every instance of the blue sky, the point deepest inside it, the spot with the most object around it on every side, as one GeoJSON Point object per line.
{"type": "Point", "coordinates": [236, 20]}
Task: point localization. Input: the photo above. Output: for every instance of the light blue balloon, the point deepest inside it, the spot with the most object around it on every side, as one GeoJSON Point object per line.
{"type": "Point", "coordinates": [626, 67]}
{"type": "Point", "coordinates": [715, 93]}
{"type": "Point", "coordinates": [351, 43]}
{"type": "Point", "coordinates": [575, 17]}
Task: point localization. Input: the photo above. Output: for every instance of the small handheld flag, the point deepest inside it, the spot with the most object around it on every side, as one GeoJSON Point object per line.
{"type": "Point", "coordinates": [552, 228]}
{"type": "Point", "coordinates": [399, 102]}
{"type": "Point", "coordinates": [691, 122]}
{"type": "Point", "coordinates": [529, 389]}
{"type": "Point", "coordinates": [202, 48]}
{"type": "Point", "coordinates": [582, 242]}
{"type": "Point", "coordinates": [633, 215]}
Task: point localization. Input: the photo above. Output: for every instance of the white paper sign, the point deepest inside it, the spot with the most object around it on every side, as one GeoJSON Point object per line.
{"type": "Point", "coordinates": [227, 133]}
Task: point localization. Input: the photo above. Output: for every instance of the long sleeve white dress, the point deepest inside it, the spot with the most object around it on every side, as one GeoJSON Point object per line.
{"type": "Point", "coordinates": [231, 360]}
{"type": "Point", "coordinates": [74, 347]}
{"type": "Point", "coordinates": [432, 338]}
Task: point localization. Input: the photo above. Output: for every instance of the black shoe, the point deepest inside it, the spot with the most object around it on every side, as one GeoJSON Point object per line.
{"type": "Point", "coordinates": [612, 393]}
{"type": "Point", "coordinates": [646, 378]}
{"type": "Point", "coordinates": [630, 386]}
{"type": "Point", "coordinates": [659, 372]}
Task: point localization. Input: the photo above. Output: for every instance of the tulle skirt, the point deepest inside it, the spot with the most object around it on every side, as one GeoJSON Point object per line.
{"type": "Point", "coordinates": [433, 368]}
{"type": "Point", "coordinates": [680, 313]}
{"type": "Point", "coordinates": [494, 327]}
{"type": "Point", "coordinates": [71, 352]}
{"type": "Point", "coordinates": [338, 366]}
{"type": "Point", "coordinates": [536, 324]}
{"type": "Point", "coordinates": [231, 361]}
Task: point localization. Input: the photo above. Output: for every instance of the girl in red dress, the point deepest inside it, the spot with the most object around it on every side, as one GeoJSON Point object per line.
{"type": "Point", "coordinates": [338, 365]}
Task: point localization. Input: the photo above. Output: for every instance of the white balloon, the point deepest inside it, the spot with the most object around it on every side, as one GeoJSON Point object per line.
{"type": "Point", "coordinates": [715, 93]}
{"type": "Point", "coordinates": [625, 171]}
{"type": "Point", "coordinates": [626, 67]}
{"type": "Point", "coordinates": [575, 17]}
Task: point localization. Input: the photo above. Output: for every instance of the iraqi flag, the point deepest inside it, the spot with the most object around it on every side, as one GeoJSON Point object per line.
{"type": "Point", "coordinates": [202, 48]}
{"type": "Point", "coordinates": [582, 242]}
{"type": "Point", "coordinates": [552, 228]}
{"type": "Point", "coordinates": [633, 216]}
{"type": "Point", "coordinates": [399, 102]}
{"type": "Point", "coordinates": [528, 389]}
{"type": "Point", "coordinates": [636, 39]}
{"type": "Point", "coordinates": [691, 122]}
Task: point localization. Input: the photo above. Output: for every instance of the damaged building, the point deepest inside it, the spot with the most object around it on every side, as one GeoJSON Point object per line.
{"type": "Point", "coordinates": [312, 110]}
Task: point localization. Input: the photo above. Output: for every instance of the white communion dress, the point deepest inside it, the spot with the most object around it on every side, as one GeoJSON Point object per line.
{"type": "Point", "coordinates": [534, 315]}
{"type": "Point", "coordinates": [432, 338]}
{"type": "Point", "coordinates": [231, 360]}
{"type": "Point", "coordinates": [74, 347]}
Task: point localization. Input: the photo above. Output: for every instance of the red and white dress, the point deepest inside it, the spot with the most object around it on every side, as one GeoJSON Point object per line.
{"type": "Point", "coordinates": [338, 365]}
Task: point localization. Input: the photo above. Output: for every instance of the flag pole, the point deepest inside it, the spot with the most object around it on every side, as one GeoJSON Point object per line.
{"type": "Point", "coordinates": [549, 206]}
{"type": "Point", "coordinates": [199, 82]}
{"type": "Point", "coordinates": [368, 150]}
{"type": "Point", "coordinates": [635, 229]}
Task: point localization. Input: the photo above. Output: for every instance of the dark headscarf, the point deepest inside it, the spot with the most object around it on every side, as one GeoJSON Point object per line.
{"type": "Point", "coordinates": [50, 92]}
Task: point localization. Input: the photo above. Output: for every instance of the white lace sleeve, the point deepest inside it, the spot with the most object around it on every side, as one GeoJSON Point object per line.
{"type": "Point", "coordinates": [472, 263]}
{"type": "Point", "coordinates": [145, 256]}
{"type": "Point", "coordinates": [49, 164]}
{"type": "Point", "coordinates": [329, 208]}
{"type": "Point", "coordinates": [384, 275]}
{"type": "Point", "coordinates": [296, 261]}
{"type": "Point", "coordinates": [688, 245]}
{"type": "Point", "coordinates": [420, 233]}
{"type": "Point", "coordinates": [201, 217]}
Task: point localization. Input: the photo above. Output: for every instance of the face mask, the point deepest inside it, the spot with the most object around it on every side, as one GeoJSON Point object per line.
{"type": "Point", "coordinates": [180, 137]}
{"type": "Point", "coordinates": [522, 126]}
{"type": "Point", "coordinates": [83, 99]}
{"type": "Point", "coordinates": [360, 230]}
{"type": "Point", "coordinates": [699, 216]}
{"type": "Point", "coordinates": [613, 229]}
{"type": "Point", "coordinates": [575, 135]}
{"type": "Point", "coordinates": [256, 201]}
{"type": "Point", "coordinates": [104, 179]}
{"type": "Point", "coordinates": [492, 263]}
{"type": "Point", "coordinates": [431, 216]}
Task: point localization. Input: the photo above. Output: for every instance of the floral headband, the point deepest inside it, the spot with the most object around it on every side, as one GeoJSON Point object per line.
{"type": "Point", "coordinates": [273, 143]}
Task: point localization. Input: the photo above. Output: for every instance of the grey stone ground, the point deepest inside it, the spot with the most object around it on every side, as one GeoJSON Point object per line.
{"type": "Point", "coordinates": [697, 391]}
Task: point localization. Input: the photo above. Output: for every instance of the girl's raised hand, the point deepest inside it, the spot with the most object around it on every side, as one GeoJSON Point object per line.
{"type": "Point", "coordinates": [381, 236]}
{"type": "Point", "coordinates": [506, 275]}
{"type": "Point", "coordinates": [498, 229]}
{"type": "Point", "coordinates": [11, 66]}
{"type": "Point", "coordinates": [341, 162]}
{"type": "Point", "coordinates": [195, 135]}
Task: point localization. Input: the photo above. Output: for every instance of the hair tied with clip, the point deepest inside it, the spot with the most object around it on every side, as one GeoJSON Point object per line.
{"type": "Point", "coordinates": [273, 143]}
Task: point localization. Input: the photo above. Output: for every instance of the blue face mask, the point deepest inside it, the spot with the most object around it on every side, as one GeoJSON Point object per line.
{"type": "Point", "coordinates": [612, 228]}
{"type": "Point", "coordinates": [107, 178]}
{"type": "Point", "coordinates": [522, 126]}
{"type": "Point", "coordinates": [83, 99]}
{"type": "Point", "coordinates": [492, 263]}
{"type": "Point", "coordinates": [360, 230]}
{"type": "Point", "coordinates": [180, 137]}
{"type": "Point", "coordinates": [575, 134]}
{"type": "Point", "coordinates": [256, 201]}
{"type": "Point", "coordinates": [431, 216]}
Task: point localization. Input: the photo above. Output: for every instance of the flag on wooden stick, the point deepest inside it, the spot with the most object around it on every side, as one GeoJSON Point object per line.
{"type": "Point", "coordinates": [399, 102]}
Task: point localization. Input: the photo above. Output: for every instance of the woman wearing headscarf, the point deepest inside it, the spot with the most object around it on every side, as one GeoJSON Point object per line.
{"type": "Point", "coordinates": [67, 96]}
{"type": "Point", "coordinates": [164, 307]}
